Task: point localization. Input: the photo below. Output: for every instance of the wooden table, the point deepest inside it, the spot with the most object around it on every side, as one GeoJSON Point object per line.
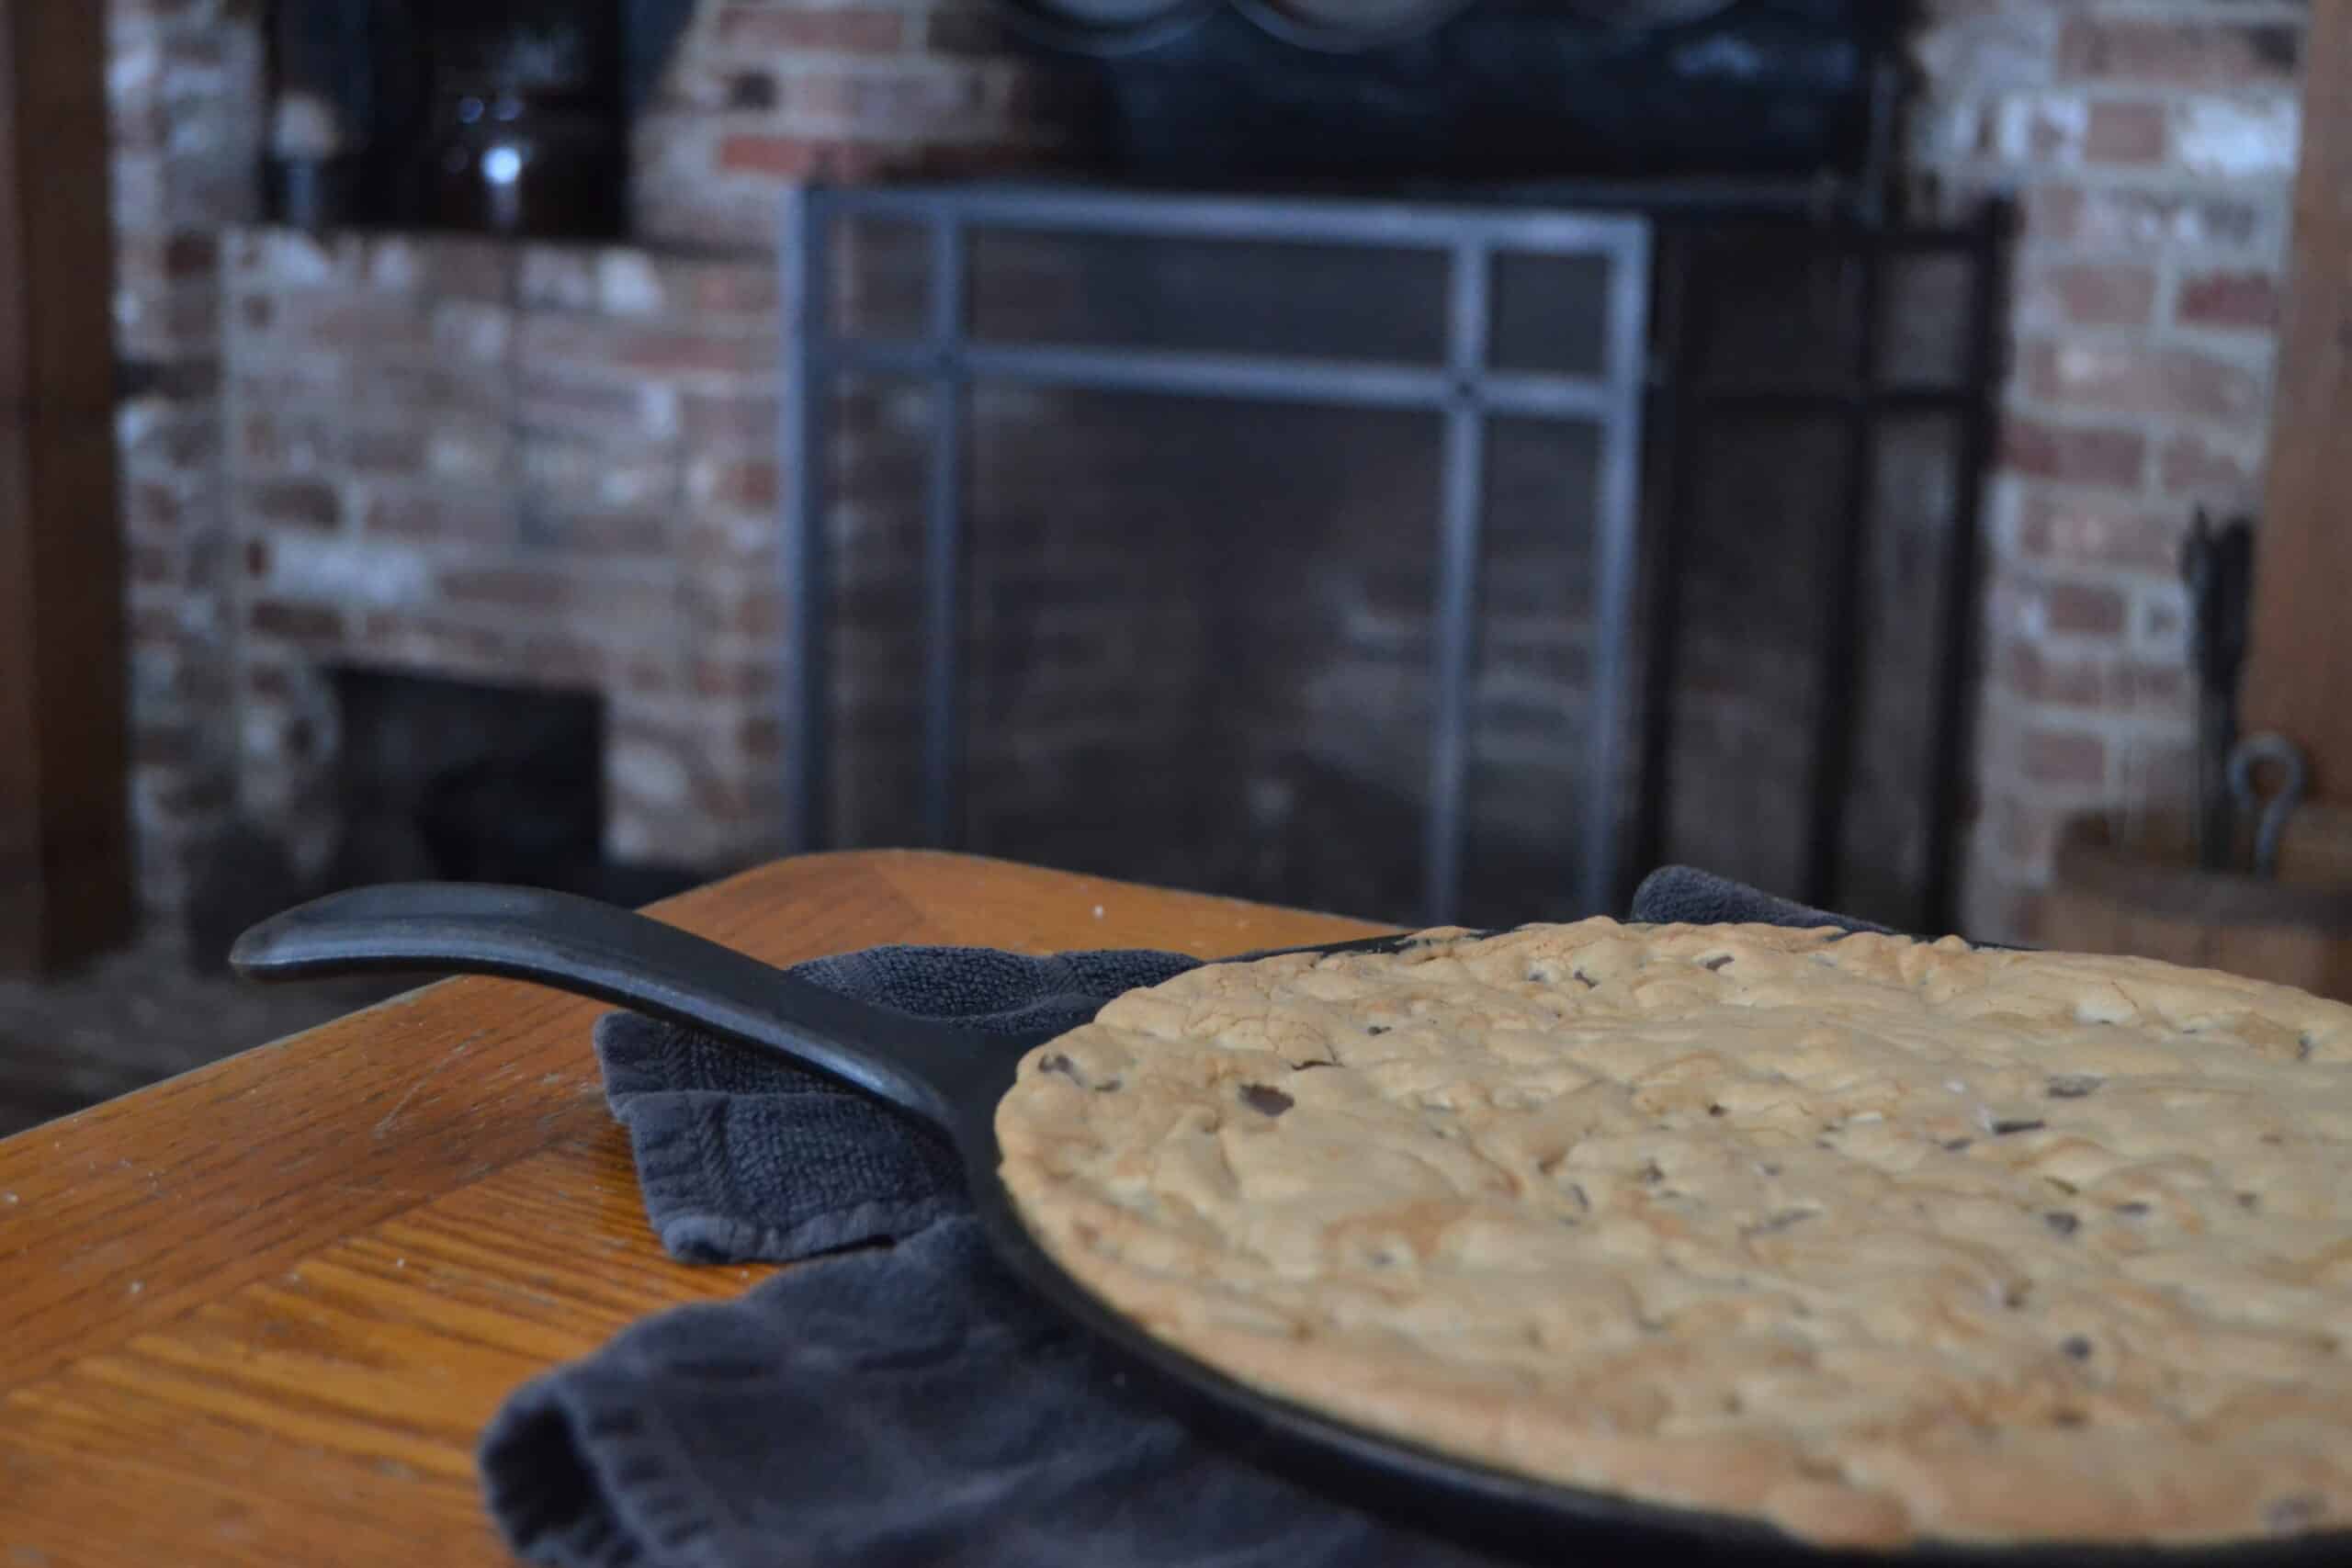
{"type": "Point", "coordinates": [259, 1313]}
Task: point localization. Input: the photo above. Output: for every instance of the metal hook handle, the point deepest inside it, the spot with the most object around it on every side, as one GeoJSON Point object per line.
{"type": "Point", "coordinates": [2248, 755]}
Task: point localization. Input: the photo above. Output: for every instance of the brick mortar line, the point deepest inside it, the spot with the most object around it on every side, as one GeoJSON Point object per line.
{"type": "Point", "coordinates": [2272, 194]}
{"type": "Point", "coordinates": [2221, 12]}
{"type": "Point", "coordinates": [2250, 349]}
{"type": "Point", "coordinates": [2016, 399]}
{"type": "Point", "coordinates": [2122, 90]}
{"type": "Point", "coordinates": [512, 625]}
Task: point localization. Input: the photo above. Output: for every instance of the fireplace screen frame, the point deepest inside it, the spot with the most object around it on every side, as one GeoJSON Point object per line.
{"type": "Point", "coordinates": [1463, 392]}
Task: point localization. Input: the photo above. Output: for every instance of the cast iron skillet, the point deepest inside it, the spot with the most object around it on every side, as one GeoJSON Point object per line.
{"type": "Point", "coordinates": [951, 1078]}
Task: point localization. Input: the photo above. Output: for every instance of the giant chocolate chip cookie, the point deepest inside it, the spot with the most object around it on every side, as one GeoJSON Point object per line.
{"type": "Point", "coordinates": [1873, 1239]}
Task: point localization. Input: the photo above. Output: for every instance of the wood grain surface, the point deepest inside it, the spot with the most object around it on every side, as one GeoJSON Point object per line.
{"type": "Point", "coordinates": [259, 1313]}
{"type": "Point", "coordinates": [2301, 656]}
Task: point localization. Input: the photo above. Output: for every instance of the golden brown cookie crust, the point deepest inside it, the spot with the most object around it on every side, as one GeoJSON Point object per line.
{"type": "Point", "coordinates": [1873, 1239]}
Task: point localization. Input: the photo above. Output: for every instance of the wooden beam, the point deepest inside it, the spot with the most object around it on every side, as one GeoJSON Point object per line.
{"type": "Point", "coordinates": [2299, 668]}
{"type": "Point", "coordinates": [65, 838]}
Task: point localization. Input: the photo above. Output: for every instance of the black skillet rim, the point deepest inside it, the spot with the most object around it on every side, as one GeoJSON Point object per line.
{"type": "Point", "coordinates": [1453, 1499]}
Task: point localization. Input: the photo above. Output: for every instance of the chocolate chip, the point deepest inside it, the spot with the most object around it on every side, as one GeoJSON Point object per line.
{"type": "Point", "coordinates": [1956, 1144]}
{"type": "Point", "coordinates": [1651, 1174]}
{"type": "Point", "coordinates": [1057, 1063]}
{"type": "Point", "coordinates": [2061, 1221]}
{"type": "Point", "coordinates": [1715, 965]}
{"type": "Point", "coordinates": [1589, 983]}
{"type": "Point", "coordinates": [1273, 1101]}
{"type": "Point", "coordinates": [2076, 1348]}
{"type": "Point", "coordinates": [2298, 1512]}
{"type": "Point", "coordinates": [2133, 1209]}
{"type": "Point", "coordinates": [1310, 1066]}
{"type": "Point", "coordinates": [2073, 1085]}
{"type": "Point", "coordinates": [2003, 1129]}
{"type": "Point", "coordinates": [2070, 1418]}
{"type": "Point", "coordinates": [1717, 1110]}
{"type": "Point", "coordinates": [2304, 1048]}
{"type": "Point", "coordinates": [2250, 1201]}
{"type": "Point", "coordinates": [1375, 1028]}
{"type": "Point", "coordinates": [751, 90]}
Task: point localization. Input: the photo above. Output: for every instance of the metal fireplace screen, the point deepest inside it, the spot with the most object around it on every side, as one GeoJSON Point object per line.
{"type": "Point", "coordinates": [1312, 550]}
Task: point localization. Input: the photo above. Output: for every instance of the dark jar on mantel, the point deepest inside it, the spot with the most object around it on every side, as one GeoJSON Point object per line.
{"type": "Point", "coordinates": [501, 163]}
{"type": "Point", "coordinates": [525, 129]}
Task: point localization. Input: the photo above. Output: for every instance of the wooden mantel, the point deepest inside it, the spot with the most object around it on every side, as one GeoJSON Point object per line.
{"type": "Point", "coordinates": [2299, 670]}
{"type": "Point", "coordinates": [64, 861]}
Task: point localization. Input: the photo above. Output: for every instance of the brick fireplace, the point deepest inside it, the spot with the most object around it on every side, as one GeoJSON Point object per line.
{"type": "Point", "coordinates": [525, 464]}
{"type": "Point", "coordinates": [549, 467]}
{"type": "Point", "coordinates": [528, 466]}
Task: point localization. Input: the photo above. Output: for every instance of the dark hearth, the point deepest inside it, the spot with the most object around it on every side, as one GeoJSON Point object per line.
{"type": "Point", "coordinates": [458, 782]}
{"type": "Point", "coordinates": [466, 783]}
{"type": "Point", "coordinates": [441, 781]}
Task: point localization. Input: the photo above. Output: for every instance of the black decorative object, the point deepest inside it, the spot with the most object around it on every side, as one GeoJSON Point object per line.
{"type": "Point", "coordinates": [323, 165]}
{"type": "Point", "coordinates": [1232, 91]}
{"type": "Point", "coordinates": [527, 125]}
{"type": "Point", "coordinates": [506, 114]}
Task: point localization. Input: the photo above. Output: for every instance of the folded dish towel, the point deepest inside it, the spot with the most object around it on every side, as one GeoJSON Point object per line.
{"type": "Point", "coordinates": [901, 1404]}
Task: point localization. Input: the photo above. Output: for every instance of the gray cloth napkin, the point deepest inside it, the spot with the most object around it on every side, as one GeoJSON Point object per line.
{"type": "Point", "coordinates": [899, 1405]}
{"type": "Point", "coordinates": [1681, 893]}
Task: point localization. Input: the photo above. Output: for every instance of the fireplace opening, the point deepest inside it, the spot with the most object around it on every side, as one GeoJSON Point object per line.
{"type": "Point", "coordinates": [1279, 549]}
{"type": "Point", "coordinates": [459, 782]}
{"type": "Point", "coordinates": [1214, 518]}
{"type": "Point", "coordinates": [421, 778]}
{"type": "Point", "coordinates": [462, 781]}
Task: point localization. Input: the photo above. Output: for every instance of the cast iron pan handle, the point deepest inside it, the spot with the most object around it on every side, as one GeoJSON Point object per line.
{"type": "Point", "coordinates": [596, 950]}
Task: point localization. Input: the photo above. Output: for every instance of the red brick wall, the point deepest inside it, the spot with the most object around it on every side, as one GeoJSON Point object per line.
{"type": "Point", "coordinates": [568, 454]}
{"type": "Point", "coordinates": [2152, 146]}
{"type": "Point", "coordinates": [532, 465]}
{"type": "Point", "coordinates": [2150, 140]}
{"type": "Point", "coordinates": [764, 93]}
